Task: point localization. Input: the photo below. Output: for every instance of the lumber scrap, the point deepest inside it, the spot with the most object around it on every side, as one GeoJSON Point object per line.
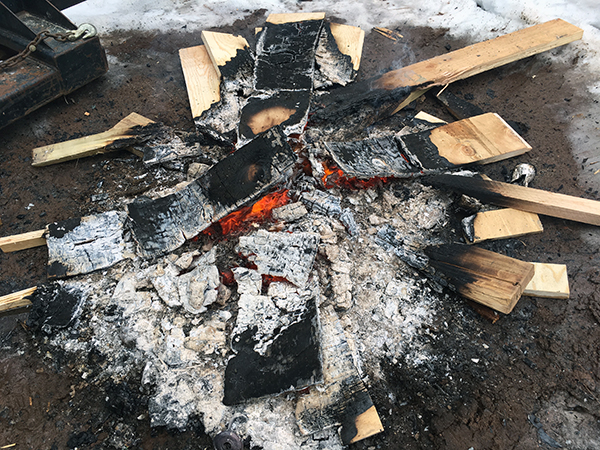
{"type": "Point", "coordinates": [23, 241]}
{"type": "Point", "coordinates": [16, 300]}
{"type": "Point", "coordinates": [522, 198]}
{"type": "Point", "coordinates": [350, 41]}
{"type": "Point", "coordinates": [279, 18]}
{"type": "Point", "coordinates": [372, 100]}
{"type": "Point", "coordinates": [131, 130]}
{"type": "Point", "coordinates": [227, 52]}
{"type": "Point", "coordinates": [482, 140]}
{"type": "Point", "coordinates": [500, 224]}
{"type": "Point", "coordinates": [201, 79]}
{"type": "Point", "coordinates": [549, 281]}
{"type": "Point", "coordinates": [338, 55]}
{"type": "Point", "coordinates": [343, 400]}
{"type": "Point", "coordinates": [480, 275]}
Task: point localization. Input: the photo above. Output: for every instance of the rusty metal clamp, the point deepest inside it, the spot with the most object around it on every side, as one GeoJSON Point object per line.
{"type": "Point", "coordinates": [84, 31]}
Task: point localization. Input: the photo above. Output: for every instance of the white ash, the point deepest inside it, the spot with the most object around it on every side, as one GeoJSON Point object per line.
{"type": "Point", "coordinates": [290, 212]}
{"type": "Point", "coordinates": [284, 255]}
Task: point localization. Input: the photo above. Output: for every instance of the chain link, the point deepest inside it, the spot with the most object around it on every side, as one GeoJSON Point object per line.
{"type": "Point", "coordinates": [85, 31]}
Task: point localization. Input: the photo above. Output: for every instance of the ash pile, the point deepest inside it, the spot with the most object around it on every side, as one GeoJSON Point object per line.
{"type": "Point", "coordinates": [266, 294]}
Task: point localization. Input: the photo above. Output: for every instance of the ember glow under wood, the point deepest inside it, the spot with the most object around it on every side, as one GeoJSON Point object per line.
{"type": "Point", "coordinates": [343, 399]}
{"type": "Point", "coordinates": [78, 246]}
{"type": "Point", "coordinates": [164, 224]}
{"type": "Point", "coordinates": [522, 198]}
{"type": "Point", "coordinates": [276, 340]}
{"type": "Point", "coordinates": [486, 277]}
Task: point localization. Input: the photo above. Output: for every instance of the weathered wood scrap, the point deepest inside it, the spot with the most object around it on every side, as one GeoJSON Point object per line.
{"type": "Point", "coordinates": [343, 399]}
{"type": "Point", "coordinates": [164, 224]}
{"type": "Point", "coordinates": [500, 224]}
{"type": "Point", "coordinates": [338, 55]}
{"type": "Point", "coordinates": [16, 300]}
{"type": "Point", "coordinates": [275, 340]}
{"type": "Point", "coordinates": [549, 281]}
{"type": "Point", "coordinates": [131, 130]}
{"type": "Point", "coordinates": [22, 241]}
{"type": "Point", "coordinates": [377, 98]}
{"type": "Point", "coordinates": [78, 246]}
{"type": "Point", "coordinates": [201, 79]}
{"type": "Point", "coordinates": [486, 277]}
{"type": "Point", "coordinates": [482, 140]}
{"type": "Point", "coordinates": [522, 198]}
{"type": "Point", "coordinates": [227, 53]}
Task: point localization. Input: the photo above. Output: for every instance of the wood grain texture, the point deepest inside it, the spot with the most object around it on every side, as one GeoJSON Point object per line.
{"type": "Point", "coordinates": [22, 241]}
{"type": "Point", "coordinates": [88, 145]}
{"type": "Point", "coordinates": [477, 58]}
{"type": "Point", "coordinates": [522, 198]}
{"type": "Point", "coordinates": [350, 41]}
{"type": "Point", "coordinates": [549, 281]}
{"type": "Point", "coordinates": [16, 299]}
{"type": "Point", "coordinates": [367, 424]}
{"type": "Point", "coordinates": [222, 47]}
{"type": "Point", "coordinates": [483, 276]}
{"type": "Point", "coordinates": [483, 139]}
{"type": "Point", "coordinates": [294, 17]}
{"type": "Point", "coordinates": [201, 79]}
{"type": "Point", "coordinates": [504, 223]}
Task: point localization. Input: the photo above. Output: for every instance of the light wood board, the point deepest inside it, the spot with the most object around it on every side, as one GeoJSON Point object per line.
{"type": "Point", "coordinates": [477, 58]}
{"type": "Point", "coordinates": [522, 198]}
{"type": "Point", "coordinates": [483, 139]}
{"type": "Point", "coordinates": [294, 17]}
{"type": "Point", "coordinates": [549, 281]}
{"type": "Point", "coordinates": [201, 79]}
{"type": "Point", "coordinates": [88, 145]}
{"type": "Point", "coordinates": [349, 40]}
{"type": "Point", "coordinates": [22, 241]}
{"type": "Point", "coordinates": [16, 299]}
{"type": "Point", "coordinates": [504, 223]}
{"type": "Point", "coordinates": [222, 47]}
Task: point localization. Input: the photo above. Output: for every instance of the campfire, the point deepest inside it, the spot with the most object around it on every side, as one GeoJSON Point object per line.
{"type": "Point", "coordinates": [264, 294]}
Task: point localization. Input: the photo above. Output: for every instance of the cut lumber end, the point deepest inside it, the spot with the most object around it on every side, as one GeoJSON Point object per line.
{"type": "Point", "coordinates": [549, 281]}
{"type": "Point", "coordinates": [504, 223]}
{"type": "Point", "coordinates": [350, 41]}
{"type": "Point", "coordinates": [16, 300]}
{"type": "Point", "coordinates": [222, 47]}
{"type": "Point", "coordinates": [87, 145]}
{"type": "Point", "coordinates": [294, 17]}
{"type": "Point", "coordinates": [367, 424]}
{"type": "Point", "coordinates": [201, 79]}
{"type": "Point", "coordinates": [22, 241]}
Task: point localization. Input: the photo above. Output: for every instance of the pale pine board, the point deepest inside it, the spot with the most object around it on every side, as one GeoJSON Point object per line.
{"type": "Point", "coordinates": [87, 145]}
{"type": "Point", "coordinates": [294, 17]}
{"type": "Point", "coordinates": [549, 281]}
{"type": "Point", "coordinates": [222, 47]}
{"type": "Point", "coordinates": [505, 223]}
{"type": "Point", "coordinates": [22, 241]}
{"type": "Point", "coordinates": [350, 41]}
{"type": "Point", "coordinates": [16, 299]}
{"type": "Point", "coordinates": [483, 139]}
{"type": "Point", "coordinates": [201, 79]}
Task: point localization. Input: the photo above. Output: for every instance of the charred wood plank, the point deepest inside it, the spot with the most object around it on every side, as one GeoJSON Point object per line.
{"type": "Point", "coordinates": [522, 198]}
{"type": "Point", "coordinates": [338, 55]}
{"type": "Point", "coordinates": [164, 224]}
{"type": "Point", "coordinates": [458, 107]}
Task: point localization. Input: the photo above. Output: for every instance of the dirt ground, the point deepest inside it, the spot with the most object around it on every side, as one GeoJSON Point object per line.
{"type": "Point", "coordinates": [531, 380]}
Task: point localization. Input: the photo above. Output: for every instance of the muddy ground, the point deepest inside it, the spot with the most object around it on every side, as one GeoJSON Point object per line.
{"type": "Point", "coordinates": [536, 382]}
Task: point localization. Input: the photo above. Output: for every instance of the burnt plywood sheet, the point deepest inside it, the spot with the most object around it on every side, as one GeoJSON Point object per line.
{"type": "Point", "coordinates": [342, 401]}
{"type": "Point", "coordinates": [275, 340]}
{"type": "Point", "coordinates": [82, 245]}
{"type": "Point", "coordinates": [164, 224]}
{"type": "Point", "coordinates": [333, 65]}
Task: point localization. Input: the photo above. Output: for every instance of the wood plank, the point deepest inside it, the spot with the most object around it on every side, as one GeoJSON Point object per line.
{"type": "Point", "coordinates": [201, 79]}
{"type": "Point", "coordinates": [502, 224]}
{"type": "Point", "coordinates": [522, 198]}
{"type": "Point", "coordinates": [22, 241]}
{"type": "Point", "coordinates": [16, 299]}
{"type": "Point", "coordinates": [350, 41]}
{"type": "Point", "coordinates": [480, 275]}
{"type": "Point", "coordinates": [480, 57]}
{"type": "Point", "coordinates": [124, 133]}
{"type": "Point", "coordinates": [294, 17]}
{"type": "Point", "coordinates": [549, 281]}
{"type": "Point", "coordinates": [223, 48]}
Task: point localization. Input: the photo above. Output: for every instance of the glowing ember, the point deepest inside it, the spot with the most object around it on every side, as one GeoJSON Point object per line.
{"type": "Point", "coordinates": [334, 176]}
{"type": "Point", "coordinates": [258, 212]}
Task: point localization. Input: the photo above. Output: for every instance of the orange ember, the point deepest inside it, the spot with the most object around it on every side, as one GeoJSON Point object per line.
{"type": "Point", "coordinates": [334, 176]}
{"type": "Point", "coordinates": [240, 219]}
